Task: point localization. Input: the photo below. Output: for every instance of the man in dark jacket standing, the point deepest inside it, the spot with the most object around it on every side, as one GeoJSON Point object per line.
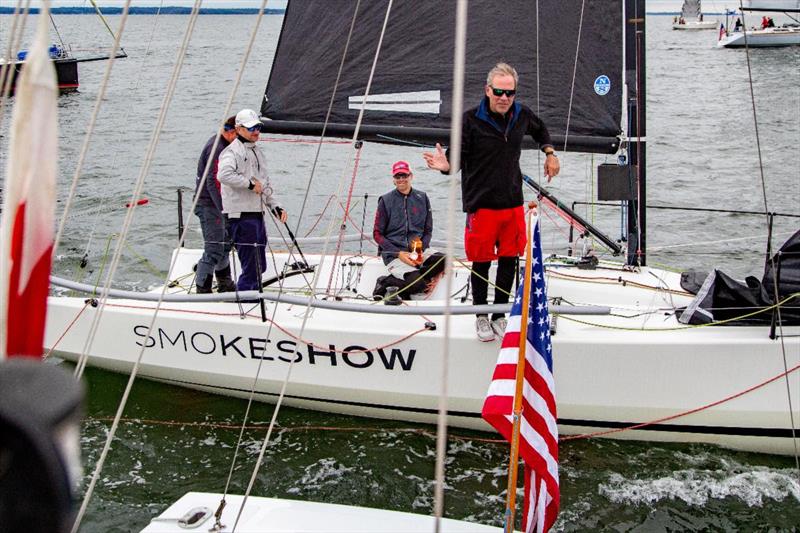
{"type": "Point", "coordinates": [491, 187]}
{"type": "Point", "coordinates": [403, 229]}
{"type": "Point", "coordinates": [215, 261]}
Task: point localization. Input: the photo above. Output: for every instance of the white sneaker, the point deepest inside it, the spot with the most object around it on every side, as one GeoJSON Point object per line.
{"type": "Point", "coordinates": [499, 326]}
{"type": "Point", "coordinates": [484, 329]}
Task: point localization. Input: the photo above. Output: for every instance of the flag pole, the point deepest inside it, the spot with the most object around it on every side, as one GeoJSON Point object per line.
{"type": "Point", "coordinates": [523, 329]}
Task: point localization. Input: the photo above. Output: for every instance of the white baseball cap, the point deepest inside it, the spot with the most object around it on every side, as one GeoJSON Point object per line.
{"type": "Point", "coordinates": [247, 118]}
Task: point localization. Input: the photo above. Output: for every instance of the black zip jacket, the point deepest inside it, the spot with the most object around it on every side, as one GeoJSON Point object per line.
{"type": "Point", "coordinates": [490, 173]}
{"type": "Point", "coordinates": [210, 194]}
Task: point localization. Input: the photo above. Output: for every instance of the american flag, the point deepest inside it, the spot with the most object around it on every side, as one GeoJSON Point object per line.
{"type": "Point", "coordinates": [538, 438]}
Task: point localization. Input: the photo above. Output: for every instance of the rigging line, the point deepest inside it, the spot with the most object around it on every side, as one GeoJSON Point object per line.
{"type": "Point", "coordinates": [356, 144]}
{"type": "Point", "coordinates": [138, 185]}
{"type": "Point", "coordinates": [682, 414]}
{"type": "Point", "coordinates": [539, 163]}
{"type": "Point", "coordinates": [226, 111]}
{"type": "Point", "coordinates": [699, 209]}
{"type": "Point", "coordinates": [90, 128]}
{"type": "Point", "coordinates": [228, 106]}
{"type": "Point", "coordinates": [55, 27]}
{"type": "Point", "coordinates": [359, 229]}
{"type": "Point", "coordinates": [346, 207]}
{"type": "Point", "coordinates": [6, 65]}
{"type": "Point", "coordinates": [574, 74]}
{"type": "Point", "coordinates": [720, 241]}
{"type": "Point", "coordinates": [210, 424]}
{"type": "Point", "coordinates": [67, 329]}
{"type": "Point", "coordinates": [100, 14]}
{"type": "Point", "coordinates": [290, 254]}
{"type": "Point", "coordinates": [319, 218]}
{"type": "Point", "coordinates": [639, 103]}
{"type": "Point", "coordinates": [327, 115]}
{"type": "Point", "coordinates": [117, 253]}
{"type": "Point", "coordinates": [687, 326]}
{"type": "Point", "coordinates": [139, 77]}
{"type": "Point", "coordinates": [246, 417]}
{"type": "Point", "coordinates": [538, 94]}
{"type": "Point", "coordinates": [307, 313]}
{"type": "Point", "coordinates": [456, 119]}
{"type": "Point", "coordinates": [13, 44]}
{"type": "Point", "coordinates": [775, 294]}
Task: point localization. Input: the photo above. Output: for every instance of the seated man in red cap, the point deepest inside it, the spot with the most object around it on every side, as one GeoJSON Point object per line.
{"type": "Point", "coordinates": [403, 229]}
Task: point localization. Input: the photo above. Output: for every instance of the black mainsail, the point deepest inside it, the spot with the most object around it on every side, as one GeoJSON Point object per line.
{"type": "Point", "coordinates": [581, 66]}
{"type": "Point", "coordinates": [410, 97]}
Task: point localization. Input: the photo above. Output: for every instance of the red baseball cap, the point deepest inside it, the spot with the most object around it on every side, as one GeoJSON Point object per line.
{"type": "Point", "coordinates": [400, 167]}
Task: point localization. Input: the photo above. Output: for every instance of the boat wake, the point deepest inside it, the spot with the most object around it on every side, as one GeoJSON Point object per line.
{"type": "Point", "coordinates": [752, 485]}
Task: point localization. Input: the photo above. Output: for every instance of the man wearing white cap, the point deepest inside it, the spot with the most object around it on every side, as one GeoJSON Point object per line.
{"type": "Point", "coordinates": [246, 193]}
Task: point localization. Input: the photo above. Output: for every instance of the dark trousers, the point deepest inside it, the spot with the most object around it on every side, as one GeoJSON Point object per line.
{"type": "Point", "coordinates": [250, 237]}
{"type": "Point", "coordinates": [413, 282]}
{"type": "Point", "coordinates": [506, 268]}
{"type": "Point", "coordinates": [216, 243]}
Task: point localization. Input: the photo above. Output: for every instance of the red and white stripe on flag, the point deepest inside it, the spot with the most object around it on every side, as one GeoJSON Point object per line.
{"type": "Point", "coordinates": [538, 439]}
{"type": "Point", "coordinates": [26, 238]}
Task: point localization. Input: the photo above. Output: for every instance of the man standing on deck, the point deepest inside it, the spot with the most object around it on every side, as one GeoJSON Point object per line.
{"type": "Point", "coordinates": [403, 230]}
{"type": "Point", "coordinates": [246, 192]}
{"type": "Point", "coordinates": [215, 261]}
{"type": "Point", "coordinates": [491, 187]}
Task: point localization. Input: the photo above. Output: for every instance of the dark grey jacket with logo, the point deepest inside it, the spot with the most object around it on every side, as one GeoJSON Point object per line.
{"type": "Point", "coordinates": [398, 219]}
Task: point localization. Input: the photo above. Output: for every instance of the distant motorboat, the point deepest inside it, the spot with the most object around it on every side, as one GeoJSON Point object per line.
{"type": "Point", "coordinates": [691, 18]}
{"type": "Point", "coordinates": [65, 63]}
{"type": "Point", "coordinates": [66, 68]}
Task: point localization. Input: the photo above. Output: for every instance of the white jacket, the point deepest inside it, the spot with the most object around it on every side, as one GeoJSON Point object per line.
{"type": "Point", "coordinates": [238, 163]}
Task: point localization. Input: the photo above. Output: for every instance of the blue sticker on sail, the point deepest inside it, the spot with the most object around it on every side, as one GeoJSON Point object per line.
{"type": "Point", "coordinates": [602, 85]}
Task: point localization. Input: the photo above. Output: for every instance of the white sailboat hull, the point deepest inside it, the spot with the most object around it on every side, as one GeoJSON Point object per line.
{"type": "Point", "coordinates": [696, 25]}
{"type": "Point", "coordinates": [768, 37]}
{"type": "Point", "coordinates": [274, 515]}
{"type": "Point", "coordinates": [637, 365]}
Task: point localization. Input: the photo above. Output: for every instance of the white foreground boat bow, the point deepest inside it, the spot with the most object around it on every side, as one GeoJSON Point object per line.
{"type": "Point", "coordinates": [194, 511]}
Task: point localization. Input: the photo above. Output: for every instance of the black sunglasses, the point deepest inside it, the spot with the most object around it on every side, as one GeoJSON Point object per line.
{"type": "Point", "coordinates": [500, 92]}
{"type": "Point", "coordinates": [401, 176]}
{"type": "Point", "coordinates": [228, 127]}
{"type": "Point", "coordinates": [251, 129]}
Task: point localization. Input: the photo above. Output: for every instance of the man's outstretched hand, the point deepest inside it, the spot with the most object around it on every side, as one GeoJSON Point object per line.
{"type": "Point", "coordinates": [437, 160]}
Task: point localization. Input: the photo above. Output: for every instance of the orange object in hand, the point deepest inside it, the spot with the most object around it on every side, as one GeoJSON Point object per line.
{"type": "Point", "coordinates": [415, 247]}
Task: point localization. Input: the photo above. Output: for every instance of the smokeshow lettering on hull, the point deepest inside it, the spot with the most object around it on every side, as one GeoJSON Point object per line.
{"type": "Point", "coordinates": [202, 343]}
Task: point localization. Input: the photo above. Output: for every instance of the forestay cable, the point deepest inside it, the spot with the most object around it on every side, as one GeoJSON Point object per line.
{"type": "Point", "coordinates": [100, 209]}
{"type": "Point", "coordinates": [90, 128]}
{"type": "Point", "coordinates": [315, 281]}
{"type": "Point", "coordinates": [455, 165]}
{"type": "Point", "coordinates": [775, 280]}
{"type": "Point", "coordinates": [327, 115]}
{"type": "Point", "coordinates": [115, 262]}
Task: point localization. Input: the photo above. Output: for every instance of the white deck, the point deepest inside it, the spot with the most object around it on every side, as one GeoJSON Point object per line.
{"type": "Point", "coordinates": [272, 515]}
